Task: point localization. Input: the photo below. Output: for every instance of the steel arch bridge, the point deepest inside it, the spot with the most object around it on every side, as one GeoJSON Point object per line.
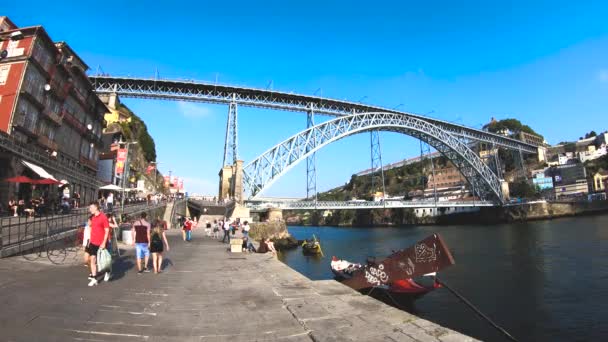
{"type": "Point", "coordinates": [260, 173]}
{"type": "Point", "coordinates": [450, 139]}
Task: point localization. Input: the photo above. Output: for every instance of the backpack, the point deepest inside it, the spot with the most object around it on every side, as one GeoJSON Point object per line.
{"type": "Point", "coordinates": [157, 240]}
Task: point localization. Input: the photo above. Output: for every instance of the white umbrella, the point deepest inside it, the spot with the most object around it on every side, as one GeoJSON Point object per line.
{"type": "Point", "coordinates": [110, 187]}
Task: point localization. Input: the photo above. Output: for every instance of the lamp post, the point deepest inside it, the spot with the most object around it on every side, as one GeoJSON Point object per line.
{"type": "Point", "coordinates": [125, 174]}
{"type": "Point", "coordinates": [155, 174]}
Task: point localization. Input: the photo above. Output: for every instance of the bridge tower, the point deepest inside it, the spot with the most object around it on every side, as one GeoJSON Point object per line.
{"type": "Point", "coordinates": [231, 142]}
{"type": "Point", "coordinates": [311, 161]}
{"type": "Point", "coordinates": [377, 174]}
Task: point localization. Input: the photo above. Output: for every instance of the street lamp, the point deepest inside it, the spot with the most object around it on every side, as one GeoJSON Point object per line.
{"type": "Point", "coordinates": [155, 174]}
{"type": "Point", "coordinates": [125, 173]}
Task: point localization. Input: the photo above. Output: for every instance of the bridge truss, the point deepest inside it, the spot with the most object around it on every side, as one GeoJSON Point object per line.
{"type": "Point", "coordinates": [272, 164]}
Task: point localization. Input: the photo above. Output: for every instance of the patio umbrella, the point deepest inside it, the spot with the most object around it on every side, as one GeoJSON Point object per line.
{"type": "Point", "coordinates": [19, 179]}
{"type": "Point", "coordinates": [45, 181]}
{"type": "Point", "coordinates": [110, 187]}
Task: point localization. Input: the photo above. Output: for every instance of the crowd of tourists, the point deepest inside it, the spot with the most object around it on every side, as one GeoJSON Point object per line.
{"type": "Point", "coordinates": [99, 240]}
{"type": "Point", "coordinates": [149, 238]}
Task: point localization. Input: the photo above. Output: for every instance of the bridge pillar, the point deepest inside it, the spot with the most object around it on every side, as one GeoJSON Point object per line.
{"type": "Point", "coordinates": [231, 142]}
{"type": "Point", "coordinates": [311, 161]}
{"type": "Point", "coordinates": [231, 182]}
{"type": "Point", "coordinates": [275, 214]}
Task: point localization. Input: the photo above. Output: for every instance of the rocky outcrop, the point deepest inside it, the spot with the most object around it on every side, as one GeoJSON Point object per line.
{"type": "Point", "coordinates": [272, 230]}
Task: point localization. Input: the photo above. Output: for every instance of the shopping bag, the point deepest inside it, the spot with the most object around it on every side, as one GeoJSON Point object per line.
{"type": "Point", "coordinates": [104, 260]}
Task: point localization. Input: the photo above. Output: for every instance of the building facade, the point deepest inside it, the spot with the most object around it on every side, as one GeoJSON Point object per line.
{"type": "Point", "coordinates": [569, 180]}
{"type": "Point", "coordinates": [446, 177]}
{"type": "Point", "coordinates": [47, 103]}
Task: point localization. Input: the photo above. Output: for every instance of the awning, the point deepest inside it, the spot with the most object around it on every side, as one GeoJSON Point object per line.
{"type": "Point", "coordinates": [39, 171]}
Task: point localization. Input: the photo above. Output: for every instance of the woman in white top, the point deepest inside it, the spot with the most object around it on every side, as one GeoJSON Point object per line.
{"type": "Point", "coordinates": [246, 229]}
{"type": "Point", "coordinates": [85, 240]}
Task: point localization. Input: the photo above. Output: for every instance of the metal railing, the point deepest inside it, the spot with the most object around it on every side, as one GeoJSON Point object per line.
{"type": "Point", "coordinates": [23, 234]}
{"type": "Point", "coordinates": [307, 205]}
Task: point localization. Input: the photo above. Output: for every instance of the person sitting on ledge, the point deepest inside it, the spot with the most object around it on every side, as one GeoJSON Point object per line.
{"type": "Point", "coordinates": [269, 246]}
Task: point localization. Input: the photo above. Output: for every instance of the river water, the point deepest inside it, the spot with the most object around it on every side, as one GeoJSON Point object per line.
{"type": "Point", "coordinates": [541, 281]}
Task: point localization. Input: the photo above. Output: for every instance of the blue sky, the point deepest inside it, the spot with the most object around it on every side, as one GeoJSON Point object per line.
{"type": "Point", "coordinates": [542, 62]}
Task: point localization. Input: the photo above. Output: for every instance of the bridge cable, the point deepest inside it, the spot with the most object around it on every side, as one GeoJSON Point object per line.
{"type": "Point", "coordinates": [475, 309]}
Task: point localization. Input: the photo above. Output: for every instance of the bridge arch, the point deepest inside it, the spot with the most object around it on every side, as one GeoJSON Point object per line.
{"type": "Point", "coordinates": [262, 172]}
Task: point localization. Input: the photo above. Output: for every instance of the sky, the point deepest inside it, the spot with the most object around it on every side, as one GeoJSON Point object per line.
{"type": "Point", "coordinates": [542, 62]}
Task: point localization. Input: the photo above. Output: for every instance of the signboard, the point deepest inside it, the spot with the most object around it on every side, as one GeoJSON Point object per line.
{"type": "Point", "coordinates": [167, 181]}
{"type": "Point", "coordinates": [121, 158]}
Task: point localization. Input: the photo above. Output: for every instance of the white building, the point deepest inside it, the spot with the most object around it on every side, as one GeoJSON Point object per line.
{"type": "Point", "coordinates": [432, 211]}
{"type": "Point", "coordinates": [592, 153]}
{"type": "Point", "coordinates": [563, 158]}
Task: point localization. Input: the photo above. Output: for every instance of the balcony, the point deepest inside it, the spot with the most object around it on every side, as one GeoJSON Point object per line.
{"type": "Point", "coordinates": [48, 143]}
{"type": "Point", "coordinates": [91, 164]}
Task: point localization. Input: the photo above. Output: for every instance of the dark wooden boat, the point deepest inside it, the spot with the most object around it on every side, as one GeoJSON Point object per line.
{"type": "Point", "coordinates": [312, 246]}
{"type": "Point", "coordinates": [393, 277]}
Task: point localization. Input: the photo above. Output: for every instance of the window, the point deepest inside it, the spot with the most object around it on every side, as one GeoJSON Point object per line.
{"type": "Point", "coordinates": [4, 70]}
{"type": "Point", "coordinates": [27, 115]}
{"type": "Point", "coordinates": [42, 55]}
{"type": "Point", "coordinates": [34, 83]}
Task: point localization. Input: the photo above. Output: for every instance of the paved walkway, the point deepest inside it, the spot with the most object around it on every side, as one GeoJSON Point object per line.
{"type": "Point", "coordinates": [205, 294]}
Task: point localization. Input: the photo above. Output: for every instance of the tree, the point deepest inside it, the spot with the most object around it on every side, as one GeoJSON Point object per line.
{"type": "Point", "coordinates": [590, 135]}
{"type": "Point", "coordinates": [512, 125]}
{"type": "Point", "coordinates": [522, 189]}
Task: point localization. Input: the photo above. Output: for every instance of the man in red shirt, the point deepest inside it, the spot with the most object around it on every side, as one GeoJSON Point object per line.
{"type": "Point", "coordinates": [100, 231]}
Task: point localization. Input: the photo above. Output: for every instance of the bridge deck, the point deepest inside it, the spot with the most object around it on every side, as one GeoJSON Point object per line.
{"type": "Point", "coordinates": [184, 90]}
{"type": "Point", "coordinates": [205, 294]}
{"type": "Point", "coordinates": [325, 205]}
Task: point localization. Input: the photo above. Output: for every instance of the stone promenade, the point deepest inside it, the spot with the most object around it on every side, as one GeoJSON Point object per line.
{"type": "Point", "coordinates": [205, 294]}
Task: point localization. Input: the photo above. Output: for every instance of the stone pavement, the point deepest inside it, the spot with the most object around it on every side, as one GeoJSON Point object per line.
{"type": "Point", "coordinates": [204, 294]}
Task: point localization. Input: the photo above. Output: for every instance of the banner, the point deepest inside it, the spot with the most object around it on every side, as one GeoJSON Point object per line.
{"type": "Point", "coordinates": [121, 158]}
{"type": "Point", "coordinates": [181, 184]}
{"type": "Point", "coordinates": [174, 183]}
{"type": "Point", "coordinates": [167, 181]}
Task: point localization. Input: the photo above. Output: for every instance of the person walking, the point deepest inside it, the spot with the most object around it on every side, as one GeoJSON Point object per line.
{"type": "Point", "coordinates": [187, 229]}
{"type": "Point", "coordinates": [113, 240]}
{"type": "Point", "coordinates": [226, 231]}
{"type": "Point", "coordinates": [216, 230]}
{"type": "Point", "coordinates": [156, 247]}
{"type": "Point", "coordinates": [141, 239]}
{"type": "Point", "coordinates": [100, 230]}
{"type": "Point", "coordinates": [110, 202]}
{"type": "Point", "coordinates": [86, 237]}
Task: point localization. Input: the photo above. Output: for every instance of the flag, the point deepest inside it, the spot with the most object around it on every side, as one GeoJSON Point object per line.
{"type": "Point", "coordinates": [121, 158]}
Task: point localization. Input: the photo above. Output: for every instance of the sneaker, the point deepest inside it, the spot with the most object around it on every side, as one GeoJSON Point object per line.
{"type": "Point", "coordinates": [140, 272]}
{"type": "Point", "coordinates": [93, 282]}
{"type": "Point", "coordinates": [90, 277]}
{"type": "Point", "coordinates": [146, 270]}
{"type": "Point", "coordinates": [106, 277]}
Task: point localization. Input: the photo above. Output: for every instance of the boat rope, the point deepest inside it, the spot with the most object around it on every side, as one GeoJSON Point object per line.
{"type": "Point", "coordinates": [477, 311]}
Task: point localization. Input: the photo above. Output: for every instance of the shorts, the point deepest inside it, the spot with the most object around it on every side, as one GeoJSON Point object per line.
{"type": "Point", "coordinates": [141, 250]}
{"type": "Point", "coordinates": [91, 249]}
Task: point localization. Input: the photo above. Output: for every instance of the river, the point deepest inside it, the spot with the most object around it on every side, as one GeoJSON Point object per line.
{"type": "Point", "coordinates": [541, 281]}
